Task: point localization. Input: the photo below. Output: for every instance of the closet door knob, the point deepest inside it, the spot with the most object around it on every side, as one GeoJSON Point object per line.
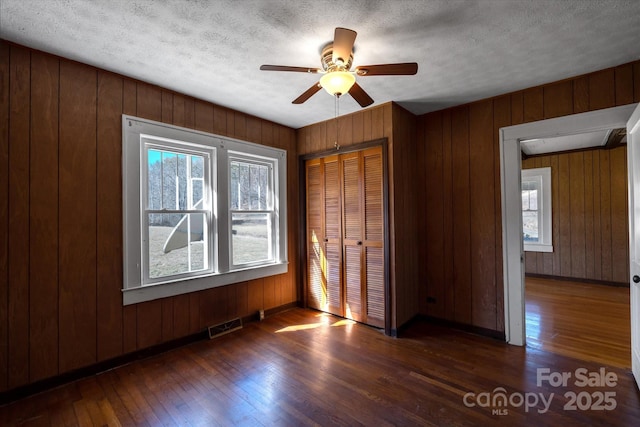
{"type": "Point", "coordinates": [636, 279]}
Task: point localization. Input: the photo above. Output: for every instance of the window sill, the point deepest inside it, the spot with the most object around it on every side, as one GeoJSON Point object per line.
{"type": "Point", "coordinates": [528, 247]}
{"type": "Point", "coordinates": [164, 290]}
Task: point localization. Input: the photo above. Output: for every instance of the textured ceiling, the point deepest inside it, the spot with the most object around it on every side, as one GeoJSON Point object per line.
{"type": "Point", "coordinates": [466, 50]}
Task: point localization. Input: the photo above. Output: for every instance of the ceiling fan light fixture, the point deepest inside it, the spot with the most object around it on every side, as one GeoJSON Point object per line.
{"type": "Point", "coordinates": [337, 82]}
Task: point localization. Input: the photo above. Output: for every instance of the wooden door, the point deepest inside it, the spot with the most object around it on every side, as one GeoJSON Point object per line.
{"type": "Point", "coordinates": [332, 235]}
{"type": "Point", "coordinates": [633, 160]}
{"type": "Point", "coordinates": [373, 238]}
{"type": "Point", "coordinates": [316, 285]}
{"type": "Point", "coordinates": [345, 235]}
{"type": "Point", "coordinates": [352, 232]}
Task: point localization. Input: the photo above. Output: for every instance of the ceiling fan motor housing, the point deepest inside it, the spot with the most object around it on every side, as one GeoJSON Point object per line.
{"type": "Point", "coordinates": [327, 60]}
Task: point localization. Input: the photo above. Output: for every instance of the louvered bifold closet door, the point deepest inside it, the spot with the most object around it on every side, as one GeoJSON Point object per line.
{"type": "Point", "coordinates": [373, 242]}
{"type": "Point", "coordinates": [345, 235]}
{"type": "Point", "coordinates": [316, 286]}
{"type": "Point", "coordinates": [352, 234]}
{"type": "Point", "coordinates": [332, 235]}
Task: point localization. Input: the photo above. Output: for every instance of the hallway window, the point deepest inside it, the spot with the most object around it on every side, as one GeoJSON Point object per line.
{"type": "Point", "coordinates": [536, 210]}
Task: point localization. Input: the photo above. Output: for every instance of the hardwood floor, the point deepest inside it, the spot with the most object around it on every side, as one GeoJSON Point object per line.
{"type": "Point", "coordinates": [302, 367]}
{"type": "Point", "coordinates": [581, 320]}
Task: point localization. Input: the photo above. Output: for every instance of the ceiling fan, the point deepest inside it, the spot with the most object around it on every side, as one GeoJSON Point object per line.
{"type": "Point", "coordinates": [338, 79]}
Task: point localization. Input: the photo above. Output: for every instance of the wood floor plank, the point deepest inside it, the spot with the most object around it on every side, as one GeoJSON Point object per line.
{"type": "Point", "coordinates": [580, 320]}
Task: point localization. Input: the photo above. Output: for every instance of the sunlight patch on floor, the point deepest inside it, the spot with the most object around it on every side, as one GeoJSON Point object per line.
{"type": "Point", "coordinates": [326, 321]}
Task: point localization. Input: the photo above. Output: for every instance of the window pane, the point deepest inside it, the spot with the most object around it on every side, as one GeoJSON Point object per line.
{"type": "Point", "coordinates": [530, 226]}
{"type": "Point", "coordinates": [171, 177]}
{"type": "Point", "coordinates": [251, 237]}
{"type": "Point", "coordinates": [169, 180]}
{"type": "Point", "coordinates": [197, 181]}
{"type": "Point", "coordinates": [154, 174]}
{"type": "Point", "coordinates": [177, 244]}
{"type": "Point", "coordinates": [249, 186]}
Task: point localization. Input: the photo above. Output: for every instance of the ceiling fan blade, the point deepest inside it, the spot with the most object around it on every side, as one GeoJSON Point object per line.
{"type": "Point", "coordinates": [307, 94]}
{"type": "Point", "coordinates": [402, 69]}
{"type": "Point", "coordinates": [287, 68]}
{"type": "Point", "coordinates": [343, 40]}
{"type": "Point", "coordinates": [360, 95]}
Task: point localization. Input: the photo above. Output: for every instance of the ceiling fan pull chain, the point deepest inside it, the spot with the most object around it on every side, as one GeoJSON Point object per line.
{"type": "Point", "coordinates": [337, 112]}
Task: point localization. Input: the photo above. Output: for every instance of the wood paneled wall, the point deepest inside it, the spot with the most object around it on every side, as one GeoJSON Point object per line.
{"type": "Point", "coordinates": [590, 216]}
{"type": "Point", "coordinates": [398, 126]}
{"type": "Point", "coordinates": [61, 218]}
{"type": "Point", "coordinates": [463, 233]}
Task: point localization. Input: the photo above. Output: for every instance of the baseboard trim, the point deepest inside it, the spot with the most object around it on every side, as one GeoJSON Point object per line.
{"type": "Point", "coordinates": [27, 390]}
{"type": "Point", "coordinates": [574, 279]}
{"type": "Point", "coordinates": [477, 330]}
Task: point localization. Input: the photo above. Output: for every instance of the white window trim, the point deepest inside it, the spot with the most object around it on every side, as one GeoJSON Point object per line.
{"type": "Point", "coordinates": [132, 151]}
{"type": "Point", "coordinates": [545, 234]}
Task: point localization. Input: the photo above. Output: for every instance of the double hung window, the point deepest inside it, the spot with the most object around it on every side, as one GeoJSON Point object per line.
{"type": "Point", "coordinates": [536, 210]}
{"type": "Point", "coordinates": [199, 210]}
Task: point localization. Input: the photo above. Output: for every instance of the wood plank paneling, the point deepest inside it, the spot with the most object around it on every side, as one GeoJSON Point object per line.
{"type": "Point", "coordinates": [619, 217]}
{"type": "Point", "coordinates": [597, 229]}
{"type": "Point", "coordinates": [555, 225]}
{"type": "Point", "coordinates": [576, 225]}
{"type": "Point", "coordinates": [203, 116]}
{"type": "Point", "coordinates": [605, 214]}
{"type": "Point", "coordinates": [594, 203]}
{"type": "Point", "coordinates": [178, 110]}
{"type": "Point", "coordinates": [220, 120]}
{"type": "Point", "coordinates": [581, 95]}
{"type": "Point", "coordinates": [180, 315]}
{"type": "Point", "coordinates": [254, 130]}
{"type": "Point", "coordinates": [448, 198]}
{"type": "Point", "coordinates": [167, 319]}
{"type": "Point", "coordinates": [624, 84]}
{"type": "Point", "coordinates": [564, 210]}
{"type": "Point", "coordinates": [501, 118]}
{"type": "Point", "coordinates": [558, 99]}
{"type": "Point", "coordinates": [636, 81]}
{"type": "Point", "coordinates": [109, 216]}
{"type": "Point", "coordinates": [256, 295]}
{"type": "Point", "coordinates": [60, 125]}
{"type": "Point", "coordinates": [602, 93]}
{"type": "Point", "coordinates": [590, 219]}
{"type": "Point", "coordinates": [357, 127]}
{"type": "Point", "coordinates": [77, 226]}
{"type": "Point", "coordinates": [129, 313]}
{"type": "Point", "coordinates": [435, 229]}
{"type": "Point", "coordinates": [588, 210]}
{"type": "Point", "coordinates": [461, 214]}
{"type": "Point", "coordinates": [517, 108]}
{"type": "Point", "coordinates": [149, 102]}
{"type": "Point", "coordinates": [240, 121]}
{"type": "Point", "coordinates": [4, 211]}
{"type": "Point", "coordinates": [149, 323]}
{"type": "Point", "coordinates": [43, 217]}
{"type": "Point", "coordinates": [482, 199]}
{"type": "Point", "coordinates": [167, 107]}
{"type": "Point", "coordinates": [18, 256]}
{"type": "Point", "coordinates": [533, 102]}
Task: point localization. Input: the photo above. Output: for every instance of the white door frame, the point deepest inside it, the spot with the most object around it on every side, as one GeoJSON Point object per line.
{"type": "Point", "coordinates": [510, 183]}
